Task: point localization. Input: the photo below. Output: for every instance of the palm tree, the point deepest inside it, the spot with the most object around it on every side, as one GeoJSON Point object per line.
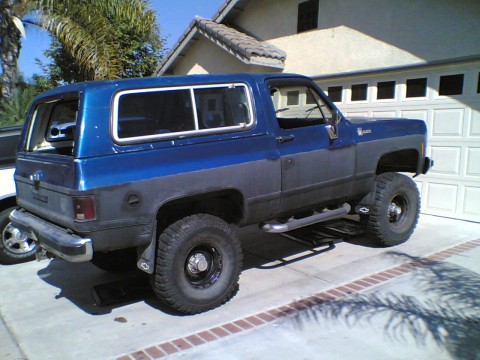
{"type": "Point", "coordinates": [97, 34]}
{"type": "Point", "coordinates": [14, 110]}
{"type": "Point", "coordinates": [100, 34]}
{"type": "Point", "coordinates": [10, 31]}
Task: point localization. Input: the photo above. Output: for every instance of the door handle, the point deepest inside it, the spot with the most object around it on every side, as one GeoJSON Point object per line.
{"type": "Point", "coordinates": [286, 138]}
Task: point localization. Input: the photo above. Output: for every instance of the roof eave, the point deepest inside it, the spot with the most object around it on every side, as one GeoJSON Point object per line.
{"type": "Point", "coordinates": [226, 10]}
{"type": "Point", "coordinates": [249, 60]}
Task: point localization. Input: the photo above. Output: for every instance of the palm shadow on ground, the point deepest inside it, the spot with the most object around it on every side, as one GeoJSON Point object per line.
{"type": "Point", "coordinates": [448, 312]}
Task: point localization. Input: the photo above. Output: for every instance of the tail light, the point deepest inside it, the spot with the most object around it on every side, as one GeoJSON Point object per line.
{"type": "Point", "coordinates": [84, 208]}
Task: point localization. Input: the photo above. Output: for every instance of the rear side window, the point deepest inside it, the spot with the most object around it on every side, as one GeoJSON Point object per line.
{"type": "Point", "coordinates": [177, 112]}
{"type": "Point", "coordinates": [54, 126]}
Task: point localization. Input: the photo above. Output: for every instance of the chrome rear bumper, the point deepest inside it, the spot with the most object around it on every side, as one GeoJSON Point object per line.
{"type": "Point", "coordinates": [52, 238]}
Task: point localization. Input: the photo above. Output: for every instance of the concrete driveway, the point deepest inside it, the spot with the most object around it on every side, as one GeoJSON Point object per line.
{"type": "Point", "coordinates": [284, 308]}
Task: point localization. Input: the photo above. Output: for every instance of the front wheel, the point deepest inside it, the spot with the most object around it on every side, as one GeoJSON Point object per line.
{"type": "Point", "coordinates": [15, 247]}
{"type": "Point", "coordinates": [394, 215]}
{"type": "Point", "coordinates": [198, 264]}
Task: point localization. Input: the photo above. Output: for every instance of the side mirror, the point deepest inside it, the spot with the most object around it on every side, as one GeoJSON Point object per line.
{"type": "Point", "coordinates": [336, 116]}
{"type": "Point", "coordinates": [332, 129]}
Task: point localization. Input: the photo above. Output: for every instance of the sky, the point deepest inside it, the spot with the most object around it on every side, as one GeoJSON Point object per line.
{"type": "Point", "coordinates": [173, 17]}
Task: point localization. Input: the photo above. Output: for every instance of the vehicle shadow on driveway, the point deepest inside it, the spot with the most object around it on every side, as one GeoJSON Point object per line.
{"type": "Point", "coordinates": [270, 251]}
{"type": "Point", "coordinates": [98, 292]}
{"type": "Point", "coordinates": [444, 307]}
{"type": "Point", "coordinates": [77, 282]}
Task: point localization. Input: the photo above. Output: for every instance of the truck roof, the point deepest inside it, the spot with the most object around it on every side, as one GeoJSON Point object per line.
{"type": "Point", "coordinates": [162, 81]}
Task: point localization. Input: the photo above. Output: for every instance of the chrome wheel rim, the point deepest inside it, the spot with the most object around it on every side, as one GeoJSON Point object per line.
{"type": "Point", "coordinates": [398, 209]}
{"type": "Point", "coordinates": [16, 241]}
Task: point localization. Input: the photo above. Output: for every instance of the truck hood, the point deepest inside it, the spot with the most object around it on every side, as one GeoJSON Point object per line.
{"type": "Point", "coordinates": [361, 119]}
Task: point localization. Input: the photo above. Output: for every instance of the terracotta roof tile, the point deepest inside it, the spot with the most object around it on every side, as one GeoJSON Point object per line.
{"type": "Point", "coordinates": [240, 42]}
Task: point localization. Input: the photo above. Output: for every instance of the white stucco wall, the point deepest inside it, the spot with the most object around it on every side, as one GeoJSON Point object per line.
{"type": "Point", "coordinates": [370, 34]}
{"type": "Point", "coordinates": [204, 57]}
{"type": "Point", "coordinates": [352, 36]}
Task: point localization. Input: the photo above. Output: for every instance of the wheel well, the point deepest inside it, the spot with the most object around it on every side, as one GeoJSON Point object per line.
{"type": "Point", "coordinates": [398, 161]}
{"type": "Point", "coordinates": [226, 204]}
{"type": "Point", "coordinates": [7, 202]}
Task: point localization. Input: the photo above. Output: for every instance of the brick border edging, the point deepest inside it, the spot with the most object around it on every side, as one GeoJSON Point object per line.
{"type": "Point", "coordinates": [259, 319]}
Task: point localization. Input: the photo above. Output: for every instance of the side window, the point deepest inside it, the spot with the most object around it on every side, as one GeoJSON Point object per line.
{"type": "Point", "coordinates": [185, 111]}
{"type": "Point", "coordinates": [161, 112]}
{"type": "Point", "coordinates": [309, 110]}
{"type": "Point", "coordinates": [221, 107]}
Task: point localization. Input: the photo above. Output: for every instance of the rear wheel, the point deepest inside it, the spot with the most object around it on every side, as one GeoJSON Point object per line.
{"type": "Point", "coordinates": [198, 264]}
{"type": "Point", "coordinates": [15, 247]}
{"type": "Point", "coordinates": [394, 215]}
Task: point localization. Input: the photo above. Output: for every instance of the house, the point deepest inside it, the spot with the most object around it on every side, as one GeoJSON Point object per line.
{"type": "Point", "coordinates": [414, 59]}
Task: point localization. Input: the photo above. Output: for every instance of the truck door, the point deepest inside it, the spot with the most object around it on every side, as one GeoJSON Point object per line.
{"type": "Point", "coordinates": [316, 167]}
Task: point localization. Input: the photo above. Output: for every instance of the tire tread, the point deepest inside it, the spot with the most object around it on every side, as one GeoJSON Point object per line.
{"type": "Point", "coordinates": [375, 225]}
{"type": "Point", "coordinates": [160, 280]}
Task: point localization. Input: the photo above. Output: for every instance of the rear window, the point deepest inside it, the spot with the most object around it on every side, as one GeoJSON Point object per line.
{"type": "Point", "coordinates": [53, 127]}
{"type": "Point", "coordinates": [141, 115]}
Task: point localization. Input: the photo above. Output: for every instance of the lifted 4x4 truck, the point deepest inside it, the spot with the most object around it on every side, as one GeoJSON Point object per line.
{"type": "Point", "coordinates": [153, 172]}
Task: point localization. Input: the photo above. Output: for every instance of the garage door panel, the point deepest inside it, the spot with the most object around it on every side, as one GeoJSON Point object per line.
{"type": "Point", "coordinates": [442, 197]}
{"type": "Point", "coordinates": [415, 114]}
{"type": "Point", "coordinates": [447, 122]}
{"type": "Point", "coordinates": [419, 186]}
{"type": "Point", "coordinates": [475, 124]}
{"type": "Point", "coordinates": [452, 187]}
{"type": "Point", "coordinates": [471, 203]}
{"type": "Point", "coordinates": [357, 114]}
{"type": "Point", "coordinates": [447, 160]}
{"type": "Point", "coordinates": [473, 162]}
{"type": "Point", "coordinates": [384, 114]}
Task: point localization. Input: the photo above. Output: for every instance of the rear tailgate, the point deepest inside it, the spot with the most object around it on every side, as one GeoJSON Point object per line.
{"type": "Point", "coordinates": [45, 170]}
{"type": "Point", "coordinates": [45, 185]}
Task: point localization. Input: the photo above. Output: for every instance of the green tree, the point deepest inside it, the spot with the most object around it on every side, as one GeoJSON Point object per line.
{"type": "Point", "coordinates": [105, 39]}
{"type": "Point", "coordinates": [102, 39]}
{"type": "Point", "coordinates": [11, 11]}
{"type": "Point", "coordinates": [13, 111]}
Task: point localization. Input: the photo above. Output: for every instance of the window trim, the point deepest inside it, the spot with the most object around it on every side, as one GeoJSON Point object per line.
{"type": "Point", "coordinates": [180, 134]}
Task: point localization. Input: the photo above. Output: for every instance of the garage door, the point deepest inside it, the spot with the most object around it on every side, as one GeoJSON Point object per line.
{"type": "Point", "coordinates": [448, 99]}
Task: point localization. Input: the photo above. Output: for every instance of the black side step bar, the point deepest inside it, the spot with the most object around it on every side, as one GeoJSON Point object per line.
{"type": "Point", "coordinates": [310, 220]}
